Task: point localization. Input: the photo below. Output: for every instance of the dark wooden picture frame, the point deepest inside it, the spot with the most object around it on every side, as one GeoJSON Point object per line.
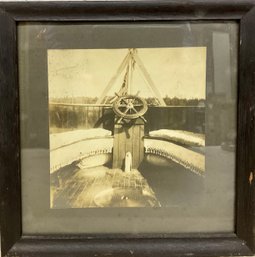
{"type": "Point", "coordinates": [13, 243]}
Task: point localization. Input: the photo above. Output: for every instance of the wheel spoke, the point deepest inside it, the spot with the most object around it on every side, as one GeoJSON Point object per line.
{"type": "Point", "coordinates": [120, 119]}
{"type": "Point", "coordinates": [125, 101]}
{"type": "Point", "coordinates": [134, 110]}
{"type": "Point", "coordinates": [126, 111]}
{"type": "Point", "coordinates": [139, 116]}
{"type": "Point", "coordinates": [143, 119]}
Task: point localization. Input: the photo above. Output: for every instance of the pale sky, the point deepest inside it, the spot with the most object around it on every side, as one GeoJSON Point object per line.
{"type": "Point", "coordinates": [176, 72]}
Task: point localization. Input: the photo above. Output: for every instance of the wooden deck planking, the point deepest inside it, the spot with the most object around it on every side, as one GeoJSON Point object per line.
{"type": "Point", "coordinates": [81, 188]}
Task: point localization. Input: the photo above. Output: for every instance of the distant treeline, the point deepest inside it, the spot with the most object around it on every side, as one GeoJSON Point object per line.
{"type": "Point", "coordinates": [151, 101]}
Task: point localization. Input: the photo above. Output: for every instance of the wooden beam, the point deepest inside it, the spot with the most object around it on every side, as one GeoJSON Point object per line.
{"type": "Point", "coordinates": [113, 79]}
{"type": "Point", "coordinates": [148, 78]}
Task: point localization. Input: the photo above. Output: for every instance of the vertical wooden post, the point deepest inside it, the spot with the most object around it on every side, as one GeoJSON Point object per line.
{"type": "Point", "coordinates": [128, 137]}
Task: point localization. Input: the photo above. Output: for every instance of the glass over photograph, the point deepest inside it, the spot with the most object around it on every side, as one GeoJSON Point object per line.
{"type": "Point", "coordinates": [118, 115]}
{"type": "Point", "coordinates": [128, 127]}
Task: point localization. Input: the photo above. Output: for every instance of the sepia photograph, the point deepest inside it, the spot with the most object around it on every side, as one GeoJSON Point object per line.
{"type": "Point", "coordinates": [122, 122]}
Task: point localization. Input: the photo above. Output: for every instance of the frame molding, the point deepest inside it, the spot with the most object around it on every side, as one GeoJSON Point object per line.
{"type": "Point", "coordinates": [10, 225]}
{"type": "Point", "coordinates": [13, 242]}
{"type": "Point", "coordinates": [127, 10]}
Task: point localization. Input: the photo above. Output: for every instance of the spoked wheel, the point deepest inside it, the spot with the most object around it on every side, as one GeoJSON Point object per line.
{"type": "Point", "coordinates": [130, 107]}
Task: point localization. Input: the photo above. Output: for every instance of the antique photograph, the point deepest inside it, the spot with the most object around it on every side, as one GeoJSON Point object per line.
{"type": "Point", "coordinates": [122, 122]}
